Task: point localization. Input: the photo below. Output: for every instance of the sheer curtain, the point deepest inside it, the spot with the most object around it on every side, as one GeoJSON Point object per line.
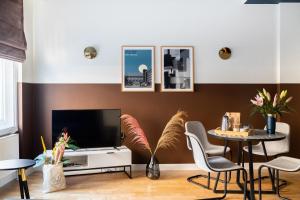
{"type": "Point", "coordinates": [8, 96]}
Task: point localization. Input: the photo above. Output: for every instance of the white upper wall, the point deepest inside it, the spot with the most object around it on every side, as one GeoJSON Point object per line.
{"type": "Point", "coordinates": [63, 28]}
{"type": "Point", "coordinates": [290, 43]}
{"type": "Point", "coordinates": [27, 73]}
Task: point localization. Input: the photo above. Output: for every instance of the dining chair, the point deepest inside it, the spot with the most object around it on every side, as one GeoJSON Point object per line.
{"type": "Point", "coordinates": [217, 164]}
{"type": "Point", "coordinates": [273, 149]}
{"type": "Point", "coordinates": [198, 129]}
{"type": "Point", "coordinates": [283, 163]}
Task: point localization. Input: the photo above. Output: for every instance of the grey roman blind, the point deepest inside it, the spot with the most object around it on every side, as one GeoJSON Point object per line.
{"type": "Point", "coordinates": [12, 37]}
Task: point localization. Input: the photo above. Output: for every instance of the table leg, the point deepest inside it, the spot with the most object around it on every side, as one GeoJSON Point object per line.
{"type": "Point", "coordinates": [20, 183]}
{"type": "Point", "coordinates": [24, 183]}
{"type": "Point", "coordinates": [270, 173]}
{"type": "Point", "coordinates": [251, 178]}
{"type": "Point", "coordinates": [239, 160]}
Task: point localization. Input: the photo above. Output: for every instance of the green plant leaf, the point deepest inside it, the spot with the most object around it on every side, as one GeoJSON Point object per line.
{"type": "Point", "coordinates": [73, 147]}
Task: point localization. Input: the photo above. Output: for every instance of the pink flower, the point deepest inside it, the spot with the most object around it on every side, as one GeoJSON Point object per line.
{"type": "Point", "coordinates": [253, 102]}
{"type": "Point", "coordinates": [259, 101]}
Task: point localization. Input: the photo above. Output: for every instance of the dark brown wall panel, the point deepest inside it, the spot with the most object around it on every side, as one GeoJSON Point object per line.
{"type": "Point", "coordinates": [208, 104]}
{"type": "Point", "coordinates": [26, 119]}
{"type": "Point", "coordinates": [294, 117]}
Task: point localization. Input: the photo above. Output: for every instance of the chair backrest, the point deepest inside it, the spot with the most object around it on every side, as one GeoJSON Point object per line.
{"type": "Point", "coordinates": [281, 145]}
{"type": "Point", "coordinates": [199, 131]}
{"type": "Point", "coordinates": [199, 155]}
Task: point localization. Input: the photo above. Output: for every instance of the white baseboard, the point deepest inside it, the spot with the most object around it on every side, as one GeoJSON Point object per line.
{"type": "Point", "coordinates": [180, 167]}
{"type": "Point", "coordinates": [167, 167]}
{"type": "Point", "coordinates": [7, 177]}
{"type": "Point", "coordinates": [135, 167]}
{"type": "Point", "coordinates": [12, 175]}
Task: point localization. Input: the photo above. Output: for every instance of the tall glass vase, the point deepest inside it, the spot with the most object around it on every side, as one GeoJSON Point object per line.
{"type": "Point", "coordinates": [152, 168]}
{"type": "Point", "coordinates": [271, 124]}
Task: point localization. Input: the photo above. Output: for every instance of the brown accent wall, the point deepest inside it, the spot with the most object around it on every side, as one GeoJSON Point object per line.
{"type": "Point", "coordinates": [26, 119]}
{"type": "Point", "coordinates": [208, 103]}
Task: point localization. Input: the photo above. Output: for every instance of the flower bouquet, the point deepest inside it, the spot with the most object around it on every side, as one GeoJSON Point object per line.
{"type": "Point", "coordinates": [53, 172]}
{"type": "Point", "coordinates": [270, 107]}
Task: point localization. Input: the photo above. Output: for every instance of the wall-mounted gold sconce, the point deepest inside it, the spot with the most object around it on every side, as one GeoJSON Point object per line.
{"type": "Point", "coordinates": [90, 52]}
{"type": "Point", "coordinates": [225, 53]}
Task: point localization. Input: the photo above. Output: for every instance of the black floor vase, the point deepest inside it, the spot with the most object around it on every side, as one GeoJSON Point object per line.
{"type": "Point", "coordinates": [152, 168]}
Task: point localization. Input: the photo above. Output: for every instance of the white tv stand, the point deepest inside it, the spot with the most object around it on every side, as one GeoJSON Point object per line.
{"type": "Point", "coordinates": [98, 160]}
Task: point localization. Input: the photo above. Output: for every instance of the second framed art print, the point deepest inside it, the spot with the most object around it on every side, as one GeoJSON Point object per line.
{"type": "Point", "coordinates": [138, 65]}
{"type": "Point", "coordinates": [177, 69]}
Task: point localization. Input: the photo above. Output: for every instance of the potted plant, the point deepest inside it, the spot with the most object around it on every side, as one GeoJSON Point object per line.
{"type": "Point", "coordinates": [53, 173]}
{"type": "Point", "coordinates": [135, 135]}
{"type": "Point", "coordinates": [270, 107]}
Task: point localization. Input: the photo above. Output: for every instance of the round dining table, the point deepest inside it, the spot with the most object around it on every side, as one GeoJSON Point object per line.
{"type": "Point", "coordinates": [255, 135]}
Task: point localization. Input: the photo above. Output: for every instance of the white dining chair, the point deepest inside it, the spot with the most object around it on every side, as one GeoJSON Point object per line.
{"type": "Point", "coordinates": [282, 163]}
{"type": "Point", "coordinates": [273, 148]}
{"type": "Point", "coordinates": [217, 164]}
{"type": "Point", "coordinates": [198, 129]}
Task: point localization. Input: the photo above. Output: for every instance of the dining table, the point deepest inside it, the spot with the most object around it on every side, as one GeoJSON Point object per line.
{"type": "Point", "coordinates": [255, 136]}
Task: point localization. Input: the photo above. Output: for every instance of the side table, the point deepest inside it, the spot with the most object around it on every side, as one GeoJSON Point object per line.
{"type": "Point", "coordinates": [20, 165]}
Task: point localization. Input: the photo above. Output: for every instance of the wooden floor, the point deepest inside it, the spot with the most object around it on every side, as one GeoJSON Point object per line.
{"type": "Point", "coordinates": [171, 185]}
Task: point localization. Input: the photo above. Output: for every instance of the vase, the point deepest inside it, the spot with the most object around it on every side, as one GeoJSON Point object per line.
{"type": "Point", "coordinates": [271, 124]}
{"type": "Point", "coordinates": [152, 168]}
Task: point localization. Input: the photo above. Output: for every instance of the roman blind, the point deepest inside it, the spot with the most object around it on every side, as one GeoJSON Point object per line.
{"type": "Point", "coordinates": [12, 37]}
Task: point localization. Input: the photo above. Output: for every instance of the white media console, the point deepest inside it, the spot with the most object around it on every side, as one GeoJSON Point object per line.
{"type": "Point", "coordinates": [100, 160]}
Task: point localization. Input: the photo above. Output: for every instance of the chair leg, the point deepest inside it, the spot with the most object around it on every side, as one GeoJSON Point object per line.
{"type": "Point", "coordinates": [278, 186]}
{"type": "Point", "coordinates": [216, 183]}
{"type": "Point", "coordinates": [208, 180]}
{"type": "Point", "coordinates": [230, 154]}
{"type": "Point", "coordinates": [243, 159]}
{"type": "Point", "coordinates": [229, 179]}
{"type": "Point", "coordinates": [245, 184]}
{"type": "Point", "coordinates": [243, 163]}
{"type": "Point", "coordinates": [190, 179]}
{"type": "Point", "coordinates": [225, 186]}
{"type": "Point", "coordinates": [208, 177]}
{"type": "Point", "coordinates": [259, 182]}
{"type": "Point", "coordinates": [225, 189]}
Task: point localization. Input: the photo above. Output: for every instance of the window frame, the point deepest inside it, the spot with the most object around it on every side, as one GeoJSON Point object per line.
{"type": "Point", "coordinates": [12, 122]}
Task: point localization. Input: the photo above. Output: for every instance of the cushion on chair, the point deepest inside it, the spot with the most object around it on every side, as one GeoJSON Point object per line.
{"type": "Point", "coordinates": [284, 163]}
{"type": "Point", "coordinates": [258, 150]}
{"type": "Point", "coordinates": [215, 150]}
{"type": "Point", "coordinates": [221, 164]}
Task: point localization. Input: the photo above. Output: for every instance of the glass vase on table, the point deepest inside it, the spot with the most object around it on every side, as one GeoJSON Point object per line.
{"type": "Point", "coordinates": [271, 123]}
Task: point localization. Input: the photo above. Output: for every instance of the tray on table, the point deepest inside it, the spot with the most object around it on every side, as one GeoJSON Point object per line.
{"type": "Point", "coordinates": [233, 133]}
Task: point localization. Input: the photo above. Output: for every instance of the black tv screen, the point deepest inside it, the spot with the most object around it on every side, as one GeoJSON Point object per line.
{"type": "Point", "coordinates": [89, 128]}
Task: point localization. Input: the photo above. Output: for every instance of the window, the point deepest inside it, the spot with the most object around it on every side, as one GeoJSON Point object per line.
{"type": "Point", "coordinates": [8, 96]}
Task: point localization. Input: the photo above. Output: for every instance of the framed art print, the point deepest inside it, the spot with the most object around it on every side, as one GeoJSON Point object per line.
{"type": "Point", "coordinates": [138, 65]}
{"type": "Point", "coordinates": [177, 69]}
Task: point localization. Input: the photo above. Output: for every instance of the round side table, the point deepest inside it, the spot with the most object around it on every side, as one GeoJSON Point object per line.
{"type": "Point", "coordinates": [20, 165]}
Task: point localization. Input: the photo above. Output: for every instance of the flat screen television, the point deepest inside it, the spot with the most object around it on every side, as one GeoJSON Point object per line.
{"type": "Point", "coordinates": [89, 128]}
